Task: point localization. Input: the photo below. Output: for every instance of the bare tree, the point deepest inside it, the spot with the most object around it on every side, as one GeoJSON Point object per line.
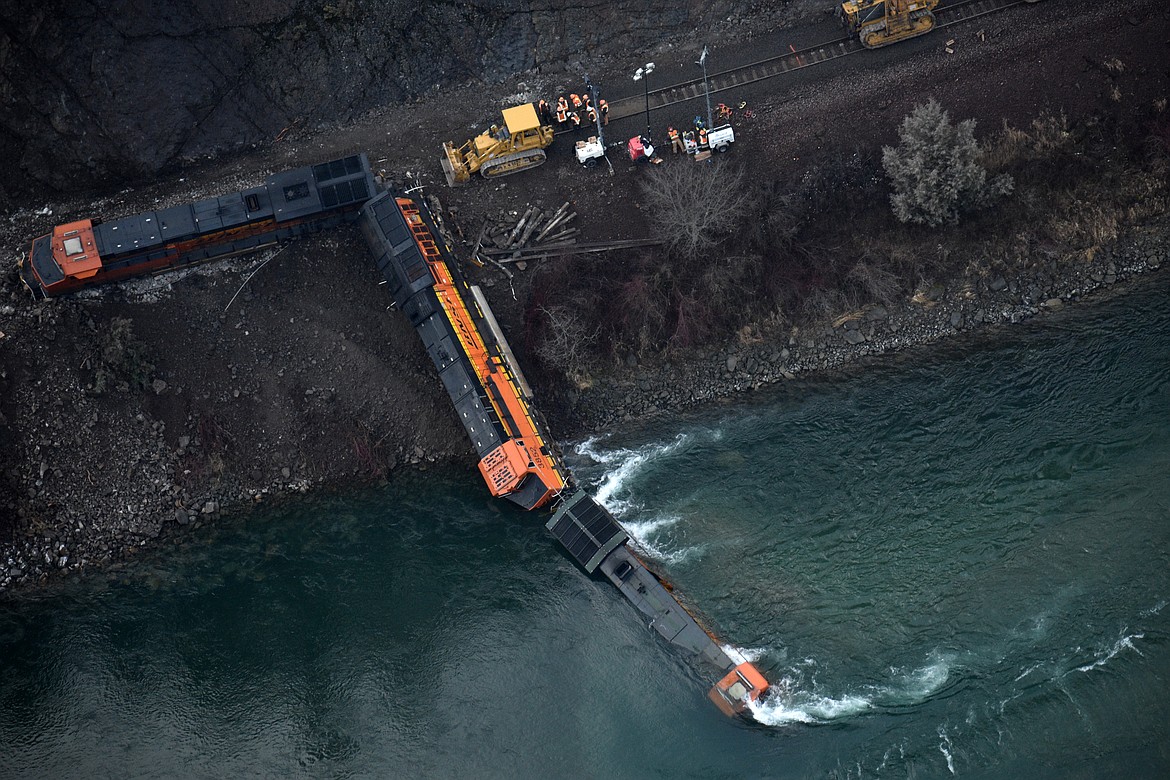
{"type": "Point", "coordinates": [566, 342]}
{"type": "Point", "coordinates": [694, 205]}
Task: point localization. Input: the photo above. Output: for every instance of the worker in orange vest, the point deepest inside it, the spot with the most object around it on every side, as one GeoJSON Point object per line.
{"type": "Point", "coordinates": [562, 104]}
{"type": "Point", "coordinates": [576, 100]}
{"type": "Point", "coordinates": [604, 107]}
{"type": "Point", "coordinates": [576, 117]}
{"type": "Point", "coordinates": [591, 112]}
{"type": "Point", "coordinates": [703, 138]}
{"type": "Point", "coordinates": [562, 114]}
{"type": "Point", "coordinates": [676, 144]}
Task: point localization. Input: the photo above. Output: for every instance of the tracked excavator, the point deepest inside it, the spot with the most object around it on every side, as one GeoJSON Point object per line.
{"type": "Point", "coordinates": [879, 23]}
{"type": "Point", "coordinates": [516, 145]}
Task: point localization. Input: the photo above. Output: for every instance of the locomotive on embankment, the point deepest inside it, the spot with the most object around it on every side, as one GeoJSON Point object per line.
{"type": "Point", "coordinates": [294, 203]}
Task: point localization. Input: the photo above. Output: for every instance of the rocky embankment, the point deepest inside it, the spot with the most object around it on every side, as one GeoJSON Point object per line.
{"type": "Point", "coordinates": [161, 404]}
{"type": "Point", "coordinates": [935, 313]}
{"type": "Point", "coordinates": [173, 475]}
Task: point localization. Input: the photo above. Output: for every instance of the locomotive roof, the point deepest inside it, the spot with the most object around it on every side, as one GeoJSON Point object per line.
{"type": "Point", "coordinates": [287, 195]}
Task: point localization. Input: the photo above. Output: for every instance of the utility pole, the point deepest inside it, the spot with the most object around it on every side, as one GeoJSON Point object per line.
{"type": "Point", "coordinates": [640, 75]}
{"type": "Point", "coordinates": [706, 86]}
{"type": "Point", "coordinates": [596, 110]}
{"type": "Point", "coordinates": [597, 119]}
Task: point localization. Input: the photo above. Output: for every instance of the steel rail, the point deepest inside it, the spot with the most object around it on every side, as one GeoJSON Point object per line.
{"type": "Point", "coordinates": [772, 67]}
{"type": "Point", "coordinates": [566, 248]}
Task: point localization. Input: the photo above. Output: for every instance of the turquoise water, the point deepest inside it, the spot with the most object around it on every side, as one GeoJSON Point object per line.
{"type": "Point", "coordinates": [954, 564]}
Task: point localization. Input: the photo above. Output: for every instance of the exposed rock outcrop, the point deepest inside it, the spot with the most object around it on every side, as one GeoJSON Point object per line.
{"type": "Point", "coordinates": [105, 90]}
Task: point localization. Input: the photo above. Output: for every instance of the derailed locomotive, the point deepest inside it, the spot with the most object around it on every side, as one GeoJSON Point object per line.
{"type": "Point", "coordinates": [518, 459]}
{"type": "Point", "coordinates": [289, 204]}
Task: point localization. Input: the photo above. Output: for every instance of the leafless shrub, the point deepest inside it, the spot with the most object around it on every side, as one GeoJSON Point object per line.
{"type": "Point", "coordinates": [368, 451]}
{"type": "Point", "coordinates": [877, 283]}
{"type": "Point", "coordinates": [1157, 142]}
{"type": "Point", "coordinates": [727, 278]}
{"type": "Point", "coordinates": [215, 442]}
{"type": "Point", "coordinates": [935, 170]}
{"type": "Point", "coordinates": [825, 303]}
{"type": "Point", "coordinates": [694, 205]}
{"type": "Point", "coordinates": [122, 358]}
{"type": "Point", "coordinates": [692, 323]}
{"type": "Point", "coordinates": [567, 341]}
{"type": "Point", "coordinates": [642, 312]}
{"type": "Point", "coordinates": [776, 217]}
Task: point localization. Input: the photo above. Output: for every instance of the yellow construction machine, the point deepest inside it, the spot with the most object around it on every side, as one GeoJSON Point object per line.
{"type": "Point", "coordinates": [516, 146]}
{"type": "Point", "coordinates": [882, 22]}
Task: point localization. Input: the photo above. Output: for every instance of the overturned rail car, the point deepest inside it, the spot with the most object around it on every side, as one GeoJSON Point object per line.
{"type": "Point", "coordinates": [518, 459]}
{"type": "Point", "coordinates": [289, 204]}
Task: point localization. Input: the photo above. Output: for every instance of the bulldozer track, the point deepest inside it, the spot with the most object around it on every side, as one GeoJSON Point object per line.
{"type": "Point", "coordinates": [512, 163]}
{"type": "Point", "coordinates": [773, 67]}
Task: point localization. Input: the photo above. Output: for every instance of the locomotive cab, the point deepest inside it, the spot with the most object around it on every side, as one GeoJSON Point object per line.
{"type": "Point", "coordinates": [734, 693]}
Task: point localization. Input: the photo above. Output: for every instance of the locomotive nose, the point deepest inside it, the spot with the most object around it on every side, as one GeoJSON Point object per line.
{"type": "Point", "coordinates": [742, 685]}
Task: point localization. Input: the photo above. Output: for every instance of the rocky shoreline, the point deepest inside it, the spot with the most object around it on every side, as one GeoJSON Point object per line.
{"type": "Point", "coordinates": [934, 314]}
{"type": "Point", "coordinates": [95, 526]}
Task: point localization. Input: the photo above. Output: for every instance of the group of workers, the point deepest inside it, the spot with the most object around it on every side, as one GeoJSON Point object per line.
{"type": "Point", "coordinates": [573, 110]}
{"type": "Point", "coordinates": [689, 141]}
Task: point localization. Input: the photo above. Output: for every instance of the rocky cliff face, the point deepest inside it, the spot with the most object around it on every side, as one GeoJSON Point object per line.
{"type": "Point", "coordinates": [105, 90]}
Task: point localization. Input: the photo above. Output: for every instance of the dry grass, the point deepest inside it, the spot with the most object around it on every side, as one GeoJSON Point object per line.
{"type": "Point", "coordinates": [1048, 136]}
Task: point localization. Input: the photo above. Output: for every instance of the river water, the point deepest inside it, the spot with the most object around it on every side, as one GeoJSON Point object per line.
{"type": "Point", "coordinates": [951, 563]}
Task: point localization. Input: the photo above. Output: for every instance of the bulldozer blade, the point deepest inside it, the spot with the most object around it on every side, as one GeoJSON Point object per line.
{"type": "Point", "coordinates": [457, 176]}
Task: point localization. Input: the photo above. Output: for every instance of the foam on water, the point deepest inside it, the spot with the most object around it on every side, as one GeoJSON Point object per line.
{"type": "Point", "coordinates": [944, 747]}
{"type": "Point", "coordinates": [650, 538]}
{"type": "Point", "coordinates": [792, 700]}
{"type": "Point", "coordinates": [783, 705]}
{"type": "Point", "coordinates": [1108, 654]}
{"type": "Point", "coordinates": [739, 655]}
{"type": "Point", "coordinates": [919, 684]}
{"type": "Point", "coordinates": [621, 466]}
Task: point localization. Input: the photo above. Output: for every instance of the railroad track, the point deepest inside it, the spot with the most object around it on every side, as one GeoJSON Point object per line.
{"type": "Point", "coordinates": [566, 248]}
{"type": "Point", "coordinates": [952, 14]}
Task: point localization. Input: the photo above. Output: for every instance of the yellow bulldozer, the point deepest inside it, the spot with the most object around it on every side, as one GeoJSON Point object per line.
{"type": "Point", "coordinates": [879, 23]}
{"type": "Point", "coordinates": [515, 146]}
